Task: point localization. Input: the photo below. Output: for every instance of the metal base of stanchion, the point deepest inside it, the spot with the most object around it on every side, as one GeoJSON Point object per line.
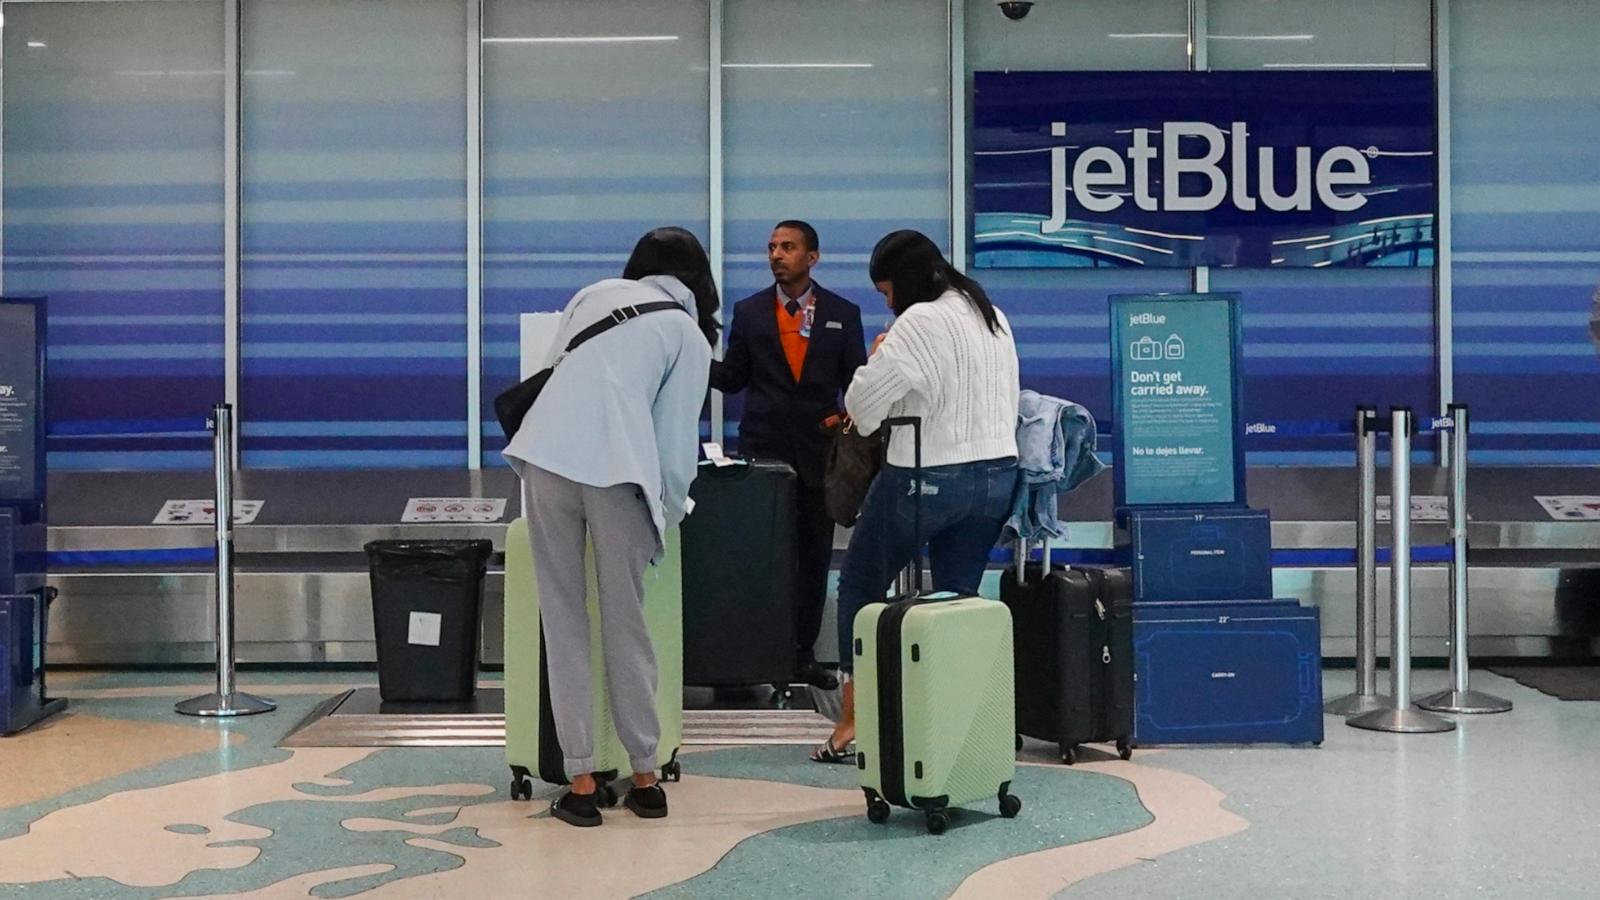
{"type": "Point", "coordinates": [225, 706]}
{"type": "Point", "coordinates": [1354, 705]}
{"type": "Point", "coordinates": [1469, 703]}
{"type": "Point", "coordinates": [1403, 721]}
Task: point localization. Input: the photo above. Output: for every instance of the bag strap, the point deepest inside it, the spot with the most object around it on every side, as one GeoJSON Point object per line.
{"type": "Point", "coordinates": [617, 317]}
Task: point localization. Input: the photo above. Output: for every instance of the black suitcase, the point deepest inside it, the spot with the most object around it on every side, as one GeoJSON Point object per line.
{"type": "Point", "coordinates": [739, 575]}
{"type": "Point", "coordinates": [1074, 654]}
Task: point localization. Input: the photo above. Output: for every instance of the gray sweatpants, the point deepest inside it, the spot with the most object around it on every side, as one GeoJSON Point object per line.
{"type": "Point", "coordinates": [561, 515]}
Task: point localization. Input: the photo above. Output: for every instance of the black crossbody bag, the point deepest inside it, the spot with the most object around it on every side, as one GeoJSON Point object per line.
{"type": "Point", "coordinates": [513, 404]}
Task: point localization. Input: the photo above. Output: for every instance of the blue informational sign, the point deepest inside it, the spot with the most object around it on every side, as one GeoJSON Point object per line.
{"type": "Point", "coordinates": [22, 342]}
{"type": "Point", "coordinates": [1175, 382]}
{"type": "Point", "coordinates": [1181, 169]}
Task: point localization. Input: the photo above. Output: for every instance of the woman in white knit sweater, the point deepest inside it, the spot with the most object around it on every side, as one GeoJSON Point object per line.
{"type": "Point", "coordinates": [949, 360]}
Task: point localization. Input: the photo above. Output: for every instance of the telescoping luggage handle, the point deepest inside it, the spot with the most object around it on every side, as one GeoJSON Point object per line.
{"type": "Point", "coordinates": [1022, 559]}
{"type": "Point", "coordinates": [915, 424]}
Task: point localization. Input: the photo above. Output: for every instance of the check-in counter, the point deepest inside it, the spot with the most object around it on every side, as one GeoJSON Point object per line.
{"type": "Point", "coordinates": [134, 592]}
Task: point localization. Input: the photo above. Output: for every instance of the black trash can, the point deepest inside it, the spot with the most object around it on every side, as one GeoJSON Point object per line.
{"type": "Point", "coordinates": [427, 603]}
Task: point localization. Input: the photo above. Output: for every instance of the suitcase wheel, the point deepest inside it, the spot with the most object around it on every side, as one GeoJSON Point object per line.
{"type": "Point", "coordinates": [1019, 743]}
{"type": "Point", "coordinates": [877, 811]}
{"type": "Point", "coordinates": [1069, 754]}
{"type": "Point", "coordinates": [1010, 805]}
{"type": "Point", "coordinates": [1124, 749]}
{"type": "Point", "coordinates": [521, 784]}
{"type": "Point", "coordinates": [672, 771]}
{"type": "Point", "coordinates": [606, 796]}
{"type": "Point", "coordinates": [938, 821]}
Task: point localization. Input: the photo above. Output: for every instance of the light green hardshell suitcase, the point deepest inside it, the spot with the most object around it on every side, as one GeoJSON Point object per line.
{"type": "Point", "coordinates": [935, 706]}
{"type": "Point", "coordinates": [532, 749]}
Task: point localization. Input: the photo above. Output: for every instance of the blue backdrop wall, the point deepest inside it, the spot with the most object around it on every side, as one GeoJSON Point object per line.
{"type": "Point", "coordinates": [354, 349]}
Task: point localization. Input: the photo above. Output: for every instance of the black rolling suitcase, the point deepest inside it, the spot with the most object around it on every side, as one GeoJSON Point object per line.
{"type": "Point", "coordinates": [1074, 653]}
{"type": "Point", "coordinates": [739, 575]}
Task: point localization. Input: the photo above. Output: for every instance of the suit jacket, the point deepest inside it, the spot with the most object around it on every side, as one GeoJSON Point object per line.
{"type": "Point", "coordinates": [782, 417]}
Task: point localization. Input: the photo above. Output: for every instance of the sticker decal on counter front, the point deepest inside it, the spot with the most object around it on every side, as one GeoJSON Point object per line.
{"type": "Point", "coordinates": [481, 510]}
{"type": "Point", "coordinates": [204, 512]}
{"type": "Point", "coordinates": [1424, 508]}
{"type": "Point", "coordinates": [424, 629]}
{"type": "Point", "coordinates": [1571, 508]}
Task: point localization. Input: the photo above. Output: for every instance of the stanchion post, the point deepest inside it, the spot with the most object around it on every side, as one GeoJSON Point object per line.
{"type": "Point", "coordinates": [1399, 715]}
{"type": "Point", "coordinates": [1460, 698]}
{"type": "Point", "coordinates": [226, 702]}
{"type": "Point", "coordinates": [1365, 699]}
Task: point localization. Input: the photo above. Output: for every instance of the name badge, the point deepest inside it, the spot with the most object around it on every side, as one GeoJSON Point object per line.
{"type": "Point", "coordinates": [837, 326]}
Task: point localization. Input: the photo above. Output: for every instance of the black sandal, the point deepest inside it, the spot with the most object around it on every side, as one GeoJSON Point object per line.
{"type": "Point", "coordinates": [579, 810]}
{"type": "Point", "coordinates": [828, 753]}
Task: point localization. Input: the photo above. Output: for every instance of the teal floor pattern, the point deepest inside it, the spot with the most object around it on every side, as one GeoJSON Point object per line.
{"type": "Point", "coordinates": [309, 833]}
{"type": "Point", "coordinates": [900, 859]}
{"type": "Point", "coordinates": [306, 836]}
{"type": "Point", "coordinates": [260, 733]}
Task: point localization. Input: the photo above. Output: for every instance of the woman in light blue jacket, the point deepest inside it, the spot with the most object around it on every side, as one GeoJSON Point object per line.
{"type": "Point", "coordinates": [606, 456]}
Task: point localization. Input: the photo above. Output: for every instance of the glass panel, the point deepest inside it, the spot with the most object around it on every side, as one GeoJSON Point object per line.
{"type": "Point", "coordinates": [113, 208]}
{"type": "Point", "coordinates": [1316, 344]}
{"type": "Point", "coordinates": [1250, 34]}
{"type": "Point", "coordinates": [826, 121]}
{"type": "Point", "coordinates": [596, 129]}
{"type": "Point", "coordinates": [354, 345]}
{"type": "Point", "coordinates": [1062, 316]}
{"type": "Point", "coordinates": [1081, 34]}
{"type": "Point", "coordinates": [1525, 127]}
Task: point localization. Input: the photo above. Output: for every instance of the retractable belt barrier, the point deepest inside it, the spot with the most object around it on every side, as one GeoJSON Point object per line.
{"type": "Point", "coordinates": [227, 701]}
{"type": "Point", "coordinates": [197, 427]}
{"type": "Point", "coordinates": [1396, 713]}
{"type": "Point", "coordinates": [124, 428]}
{"type": "Point", "coordinates": [1316, 428]}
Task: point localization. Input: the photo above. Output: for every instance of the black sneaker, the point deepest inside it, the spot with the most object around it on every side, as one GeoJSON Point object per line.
{"type": "Point", "coordinates": [647, 802]}
{"type": "Point", "coordinates": [579, 810]}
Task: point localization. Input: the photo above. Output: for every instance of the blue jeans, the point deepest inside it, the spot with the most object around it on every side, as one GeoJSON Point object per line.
{"type": "Point", "coordinates": [964, 507]}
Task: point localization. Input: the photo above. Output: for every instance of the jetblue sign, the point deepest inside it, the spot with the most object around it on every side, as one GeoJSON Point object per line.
{"type": "Point", "coordinates": [1177, 169]}
{"type": "Point", "coordinates": [1101, 184]}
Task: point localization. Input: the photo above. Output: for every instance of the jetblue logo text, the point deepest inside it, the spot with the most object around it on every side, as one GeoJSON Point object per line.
{"type": "Point", "coordinates": [1097, 178]}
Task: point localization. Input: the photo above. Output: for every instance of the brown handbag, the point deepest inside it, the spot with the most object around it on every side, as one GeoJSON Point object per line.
{"type": "Point", "coordinates": [853, 462]}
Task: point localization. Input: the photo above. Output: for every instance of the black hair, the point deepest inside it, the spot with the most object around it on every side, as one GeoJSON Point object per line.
{"type": "Point", "coordinates": [805, 229]}
{"type": "Point", "coordinates": [675, 251]}
{"type": "Point", "coordinates": [918, 272]}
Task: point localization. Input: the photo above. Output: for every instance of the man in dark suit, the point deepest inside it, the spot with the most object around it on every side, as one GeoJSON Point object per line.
{"type": "Point", "coordinates": [795, 346]}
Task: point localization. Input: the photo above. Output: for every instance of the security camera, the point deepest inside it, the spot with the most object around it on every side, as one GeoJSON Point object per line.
{"type": "Point", "coordinates": [1015, 10]}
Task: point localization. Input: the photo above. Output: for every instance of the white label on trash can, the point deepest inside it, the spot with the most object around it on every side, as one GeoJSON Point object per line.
{"type": "Point", "coordinates": [424, 630]}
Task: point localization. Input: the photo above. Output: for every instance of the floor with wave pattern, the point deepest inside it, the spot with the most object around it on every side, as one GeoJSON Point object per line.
{"type": "Point", "coordinates": [122, 798]}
